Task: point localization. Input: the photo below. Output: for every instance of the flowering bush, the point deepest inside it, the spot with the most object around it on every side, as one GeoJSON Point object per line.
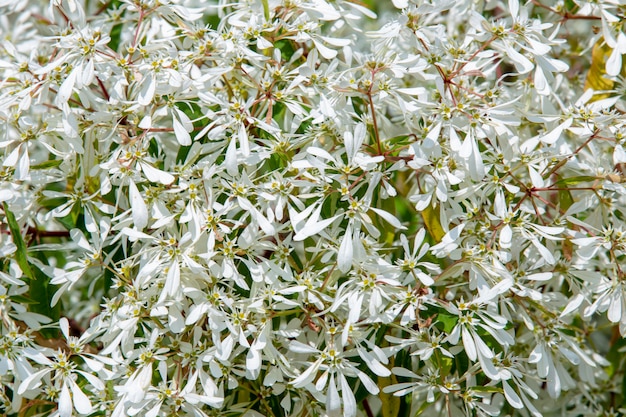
{"type": "Point", "coordinates": [307, 208]}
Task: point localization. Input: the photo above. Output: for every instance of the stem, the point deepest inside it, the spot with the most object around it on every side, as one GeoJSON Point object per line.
{"type": "Point", "coordinates": [375, 123]}
{"type": "Point", "coordinates": [103, 88]}
{"type": "Point", "coordinates": [479, 50]}
{"type": "Point", "coordinates": [367, 408]}
{"type": "Point", "coordinates": [564, 161]}
{"type": "Point", "coordinates": [327, 277]}
{"type": "Point", "coordinates": [103, 8]}
{"type": "Point", "coordinates": [565, 15]}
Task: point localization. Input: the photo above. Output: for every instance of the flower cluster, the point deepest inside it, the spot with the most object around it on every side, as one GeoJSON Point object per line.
{"type": "Point", "coordinates": [312, 208]}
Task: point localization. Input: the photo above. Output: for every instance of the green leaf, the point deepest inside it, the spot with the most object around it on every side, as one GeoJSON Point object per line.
{"type": "Point", "coordinates": [116, 30]}
{"type": "Point", "coordinates": [596, 77]}
{"type": "Point", "coordinates": [432, 223]}
{"type": "Point", "coordinates": [571, 6]}
{"type": "Point", "coordinates": [624, 390]}
{"type": "Point", "coordinates": [575, 180]}
{"type": "Point", "coordinates": [22, 300]}
{"type": "Point", "coordinates": [21, 255]}
{"type": "Point", "coordinates": [448, 321]}
{"type": "Point", "coordinates": [46, 164]}
{"type": "Point", "coordinates": [266, 9]}
{"type": "Point", "coordinates": [397, 142]}
{"type": "Point", "coordinates": [41, 291]}
{"type": "Point", "coordinates": [71, 220]}
{"type": "Point", "coordinates": [565, 199]}
{"type": "Point", "coordinates": [482, 388]}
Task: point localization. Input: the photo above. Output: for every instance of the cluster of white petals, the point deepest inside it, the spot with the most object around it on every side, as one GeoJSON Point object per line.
{"type": "Point", "coordinates": [312, 208]}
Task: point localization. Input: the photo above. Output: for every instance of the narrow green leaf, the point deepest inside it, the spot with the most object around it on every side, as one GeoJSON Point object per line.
{"type": "Point", "coordinates": [266, 9]}
{"type": "Point", "coordinates": [21, 255]}
{"type": "Point", "coordinates": [46, 164]}
{"type": "Point", "coordinates": [483, 388]}
{"type": "Point", "coordinates": [71, 220]}
{"type": "Point", "coordinates": [565, 196]}
{"type": "Point", "coordinates": [575, 180]}
{"type": "Point", "coordinates": [41, 292]}
{"type": "Point", "coordinates": [22, 300]}
{"type": "Point", "coordinates": [624, 390]}
{"type": "Point", "coordinates": [565, 199]}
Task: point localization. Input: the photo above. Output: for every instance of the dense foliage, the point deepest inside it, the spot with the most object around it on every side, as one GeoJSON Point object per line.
{"type": "Point", "coordinates": [308, 208]}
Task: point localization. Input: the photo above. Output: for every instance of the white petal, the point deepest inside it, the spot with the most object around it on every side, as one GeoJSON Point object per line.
{"type": "Point", "coordinates": [299, 347]}
{"type": "Point", "coordinates": [468, 343]}
{"type": "Point", "coordinates": [148, 88]}
{"type": "Point", "coordinates": [176, 320]}
{"type": "Point", "coordinates": [545, 253]}
{"type": "Point", "coordinates": [231, 158]}
{"type": "Point", "coordinates": [32, 381]}
{"type": "Point", "coordinates": [244, 143]}
{"type": "Point", "coordinates": [344, 256]}
{"type": "Point", "coordinates": [135, 234]}
{"type": "Point", "coordinates": [614, 63]}
{"type": "Point", "coordinates": [312, 226]}
{"type": "Point", "coordinates": [466, 146]}
{"type": "Point", "coordinates": [541, 83]}
{"type": "Point", "coordinates": [614, 313]}
{"type": "Point", "coordinates": [336, 41]}
{"type": "Point", "coordinates": [553, 382]}
{"type": "Point", "coordinates": [80, 239]}
{"type": "Point", "coordinates": [65, 402]}
{"type": "Point", "coordinates": [349, 402]}
{"type": "Point", "coordinates": [572, 305]}
{"type": "Point", "coordinates": [65, 327]}
{"type": "Point", "coordinates": [511, 396]}
{"type": "Point", "coordinates": [522, 64]}
{"type": "Point", "coordinates": [482, 346]}
{"type": "Point", "coordinates": [476, 165]}
{"type": "Point", "coordinates": [265, 224]}
{"type": "Point", "coordinates": [321, 153]}
{"type": "Point", "coordinates": [324, 51]}
{"type": "Point", "coordinates": [540, 276]}
{"type": "Point", "coordinates": [81, 401]}
{"type": "Point", "coordinates": [87, 74]}
{"type": "Point", "coordinates": [172, 283]}
{"type": "Point", "coordinates": [619, 155]}
{"type": "Point", "coordinates": [368, 383]}
{"type": "Point", "coordinates": [333, 402]}
{"type": "Point", "coordinates": [404, 372]}
{"type": "Point", "coordinates": [93, 380]}
{"type": "Point", "coordinates": [514, 8]}
{"type": "Point", "coordinates": [156, 175]}
{"type": "Point", "coordinates": [506, 235]}
{"type": "Point", "coordinates": [253, 362]}
{"type": "Point", "coordinates": [138, 206]}
{"type": "Point", "coordinates": [391, 219]}
{"type": "Point", "coordinates": [373, 364]}
{"type": "Point", "coordinates": [66, 89]}
{"type": "Point", "coordinates": [306, 377]}
{"type": "Point", "coordinates": [400, 4]}
{"type": "Point", "coordinates": [182, 136]}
